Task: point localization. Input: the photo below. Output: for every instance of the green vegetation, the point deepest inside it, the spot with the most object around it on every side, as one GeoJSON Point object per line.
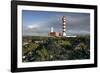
{"type": "Point", "coordinates": [55, 48]}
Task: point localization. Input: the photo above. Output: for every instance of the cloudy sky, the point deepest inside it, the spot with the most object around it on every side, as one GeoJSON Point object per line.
{"type": "Point", "coordinates": [38, 23]}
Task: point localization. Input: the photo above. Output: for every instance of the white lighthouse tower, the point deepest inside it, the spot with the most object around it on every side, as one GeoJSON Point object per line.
{"type": "Point", "coordinates": [51, 29]}
{"type": "Point", "coordinates": [64, 26]}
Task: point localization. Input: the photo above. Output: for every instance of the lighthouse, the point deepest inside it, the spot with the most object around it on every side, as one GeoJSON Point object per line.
{"type": "Point", "coordinates": [64, 26]}
{"type": "Point", "coordinates": [52, 33]}
{"type": "Point", "coordinates": [51, 29]}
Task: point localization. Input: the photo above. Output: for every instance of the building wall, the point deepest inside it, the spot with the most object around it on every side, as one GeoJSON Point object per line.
{"type": "Point", "coordinates": [54, 34]}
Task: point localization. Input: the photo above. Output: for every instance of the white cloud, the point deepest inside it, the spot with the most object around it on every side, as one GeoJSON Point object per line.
{"type": "Point", "coordinates": [32, 26]}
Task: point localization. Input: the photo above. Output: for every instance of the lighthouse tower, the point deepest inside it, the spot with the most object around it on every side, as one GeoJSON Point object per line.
{"type": "Point", "coordinates": [51, 29]}
{"type": "Point", "coordinates": [63, 26]}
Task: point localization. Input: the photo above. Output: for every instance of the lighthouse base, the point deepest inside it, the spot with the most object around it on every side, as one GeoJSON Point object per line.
{"type": "Point", "coordinates": [64, 34]}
